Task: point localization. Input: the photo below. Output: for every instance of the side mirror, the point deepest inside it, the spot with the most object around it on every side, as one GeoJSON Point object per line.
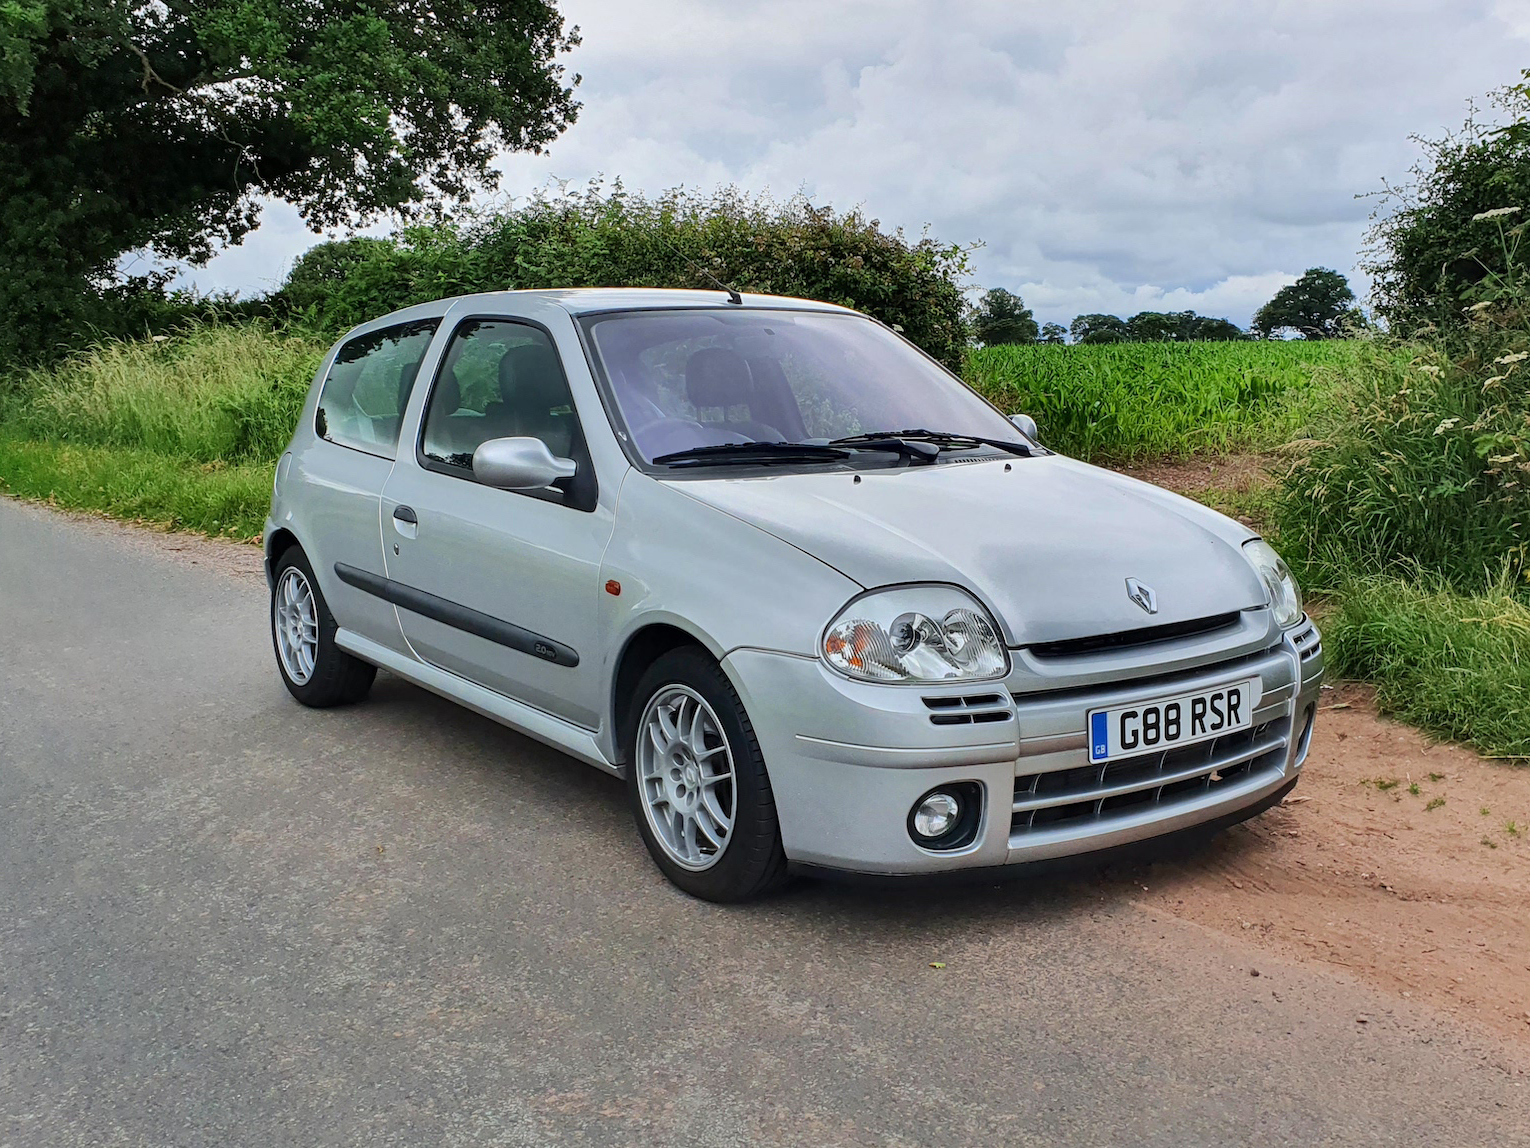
{"type": "Point", "coordinates": [519, 464]}
{"type": "Point", "coordinates": [1026, 426]}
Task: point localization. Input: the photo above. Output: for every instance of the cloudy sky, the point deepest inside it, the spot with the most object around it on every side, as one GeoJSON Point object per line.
{"type": "Point", "coordinates": [1111, 155]}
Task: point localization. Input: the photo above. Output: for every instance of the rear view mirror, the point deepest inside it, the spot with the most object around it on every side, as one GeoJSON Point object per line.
{"type": "Point", "coordinates": [519, 464]}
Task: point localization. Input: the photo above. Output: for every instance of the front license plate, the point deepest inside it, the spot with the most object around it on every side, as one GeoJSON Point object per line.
{"type": "Point", "coordinates": [1167, 723]}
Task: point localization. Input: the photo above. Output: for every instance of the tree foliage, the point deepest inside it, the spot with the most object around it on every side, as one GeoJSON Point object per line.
{"type": "Point", "coordinates": [131, 126]}
{"type": "Point", "coordinates": [1053, 333]}
{"type": "Point", "coordinates": [1154, 327]}
{"type": "Point", "coordinates": [615, 238]}
{"type": "Point", "coordinates": [1451, 239]}
{"type": "Point", "coordinates": [1002, 317]}
{"type": "Point", "coordinates": [1099, 329]}
{"type": "Point", "coordinates": [1319, 305]}
{"type": "Point", "coordinates": [1180, 327]}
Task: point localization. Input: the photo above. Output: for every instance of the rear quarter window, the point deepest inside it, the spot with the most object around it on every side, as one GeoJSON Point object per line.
{"type": "Point", "coordinates": [368, 386]}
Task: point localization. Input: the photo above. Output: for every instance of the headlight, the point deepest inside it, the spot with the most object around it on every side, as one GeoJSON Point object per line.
{"type": "Point", "coordinates": [915, 634]}
{"type": "Point", "coordinates": [1285, 595]}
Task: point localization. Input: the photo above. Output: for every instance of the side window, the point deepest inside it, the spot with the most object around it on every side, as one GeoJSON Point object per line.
{"type": "Point", "coordinates": [499, 379]}
{"type": "Point", "coordinates": [368, 387]}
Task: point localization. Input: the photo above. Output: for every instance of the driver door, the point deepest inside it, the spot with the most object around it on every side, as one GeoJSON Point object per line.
{"type": "Point", "coordinates": [510, 579]}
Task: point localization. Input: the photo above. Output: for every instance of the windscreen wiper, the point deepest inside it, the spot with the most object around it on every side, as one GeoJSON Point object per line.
{"type": "Point", "coordinates": [941, 439]}
{"type": "Point", "coordinates": [756, 453]}
{"type": "Point", "coordinates": [913, 449]}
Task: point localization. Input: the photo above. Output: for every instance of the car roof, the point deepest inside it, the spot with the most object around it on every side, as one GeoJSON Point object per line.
{"type": "Point", "coordinates": [586, 300]}
{"type": "Point", "coordinates": [591, 300]}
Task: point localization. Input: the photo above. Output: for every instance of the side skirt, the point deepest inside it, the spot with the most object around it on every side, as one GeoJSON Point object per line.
{"type": "Point", "coordinates": [571, 739]}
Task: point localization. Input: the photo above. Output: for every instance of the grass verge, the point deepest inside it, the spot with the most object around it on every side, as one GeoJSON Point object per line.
{"type": "Point", "coordinates": [139, 485]}
{"type": "Point", "coordinates": [1455, 664]}
{"type": "Point", "coordinates": [218, 393]}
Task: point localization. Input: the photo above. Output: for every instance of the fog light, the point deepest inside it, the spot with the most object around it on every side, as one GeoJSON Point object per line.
{"type": "Point", "coordinates": [936, 814]}
{"type": "Point", "coordinates": [948, 817]}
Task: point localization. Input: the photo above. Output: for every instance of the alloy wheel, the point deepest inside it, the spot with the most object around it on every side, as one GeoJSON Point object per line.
{"type": "Point", "coordinates": [296, 621]}
{"type": "Point", "coordinates": [685, 777]}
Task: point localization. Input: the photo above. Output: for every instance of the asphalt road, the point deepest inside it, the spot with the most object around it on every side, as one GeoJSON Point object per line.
{"type": "Point", "coordinates": [227, 920]}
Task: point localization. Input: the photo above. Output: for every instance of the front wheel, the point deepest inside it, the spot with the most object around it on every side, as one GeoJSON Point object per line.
{"type": "Point", "coordinates": [315, 670]}
{"type": "Point", "coordinates": [698, 785]}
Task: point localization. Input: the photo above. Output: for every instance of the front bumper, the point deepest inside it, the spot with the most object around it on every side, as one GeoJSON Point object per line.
{"type": "Point", "coordinates": [847, 760]}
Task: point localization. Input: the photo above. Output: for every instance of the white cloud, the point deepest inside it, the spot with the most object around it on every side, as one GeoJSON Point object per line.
{"type": "Point", "coordinates": [1112, 154]}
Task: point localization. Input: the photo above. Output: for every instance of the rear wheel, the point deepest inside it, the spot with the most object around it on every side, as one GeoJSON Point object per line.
{"type": "Point", "coordinates": [315, 670]}
{"type": "Point", "coordinates": [698, 785]}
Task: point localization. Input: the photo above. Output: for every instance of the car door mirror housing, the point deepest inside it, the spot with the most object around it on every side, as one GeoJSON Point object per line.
{"type": "Point", "coordinates": [519, 464]}
{"type": "Point", "coordinates": [1025, 425]}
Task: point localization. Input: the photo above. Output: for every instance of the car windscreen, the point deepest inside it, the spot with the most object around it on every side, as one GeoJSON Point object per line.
{"type": "Point", "coordinates": [694, 378]}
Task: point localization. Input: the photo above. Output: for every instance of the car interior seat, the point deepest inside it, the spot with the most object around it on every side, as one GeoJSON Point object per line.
{"type": "Point", "coordinates": [717, 380]}
{"type": "Point", "coordinates": [534, 399]}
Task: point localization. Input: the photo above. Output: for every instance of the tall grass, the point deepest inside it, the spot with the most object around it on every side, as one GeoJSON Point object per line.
{"type": "Point", "coordinates": [220, 393]}
{"type": "Point", "coordinates": [1420, 461]}
{"type": "Point", "coordinates": [1128, 401]}
{"type": "Point", "coordinates": [181, 431]}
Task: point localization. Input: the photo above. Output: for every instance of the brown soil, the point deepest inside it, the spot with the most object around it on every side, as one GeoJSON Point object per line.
{"type": "Point", "coordinates": [1423, 894]}
{"type": "Point", "coordinates": [1238, 473]}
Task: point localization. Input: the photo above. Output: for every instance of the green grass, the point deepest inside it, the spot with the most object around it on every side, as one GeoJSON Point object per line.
{"type": "Point", "coordinates": [1453, 663]}
{"type": "Point", "coordinates": [180, 432]}
{"type": "Point", "coordinates": [1135, 400]}
{"type": "Point", "coordinates": [1422, 460]}
{"type": "Point", "coordinates": [139, 485]}
{"type": "Point", "coordinates": [217, 394]}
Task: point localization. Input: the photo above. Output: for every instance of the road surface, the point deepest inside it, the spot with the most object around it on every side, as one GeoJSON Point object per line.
{"type": "Point", "coordinates": [227, 920]}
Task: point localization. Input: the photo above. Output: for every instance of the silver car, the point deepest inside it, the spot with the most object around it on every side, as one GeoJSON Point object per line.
{"type": "Point", "coordinates": [822, 607]}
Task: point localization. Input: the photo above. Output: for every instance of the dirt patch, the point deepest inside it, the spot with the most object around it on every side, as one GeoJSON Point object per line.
{"type": "Point", "coordinates": [1404, 862]}
{"type": "Point", "coordinates": [1235, 473]}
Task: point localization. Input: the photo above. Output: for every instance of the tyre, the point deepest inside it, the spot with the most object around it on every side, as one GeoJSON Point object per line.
{"type": "Point", "coordinates": [315, 670]}
{"type": "Point", "coordinates": [697, 782]}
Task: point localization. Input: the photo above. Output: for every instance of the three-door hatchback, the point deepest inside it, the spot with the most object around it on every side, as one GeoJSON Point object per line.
{"type": "Point", "coordinates": [821, 605]}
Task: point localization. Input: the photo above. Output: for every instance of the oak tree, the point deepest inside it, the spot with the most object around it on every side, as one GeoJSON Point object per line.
{"type": "Point", "coordinates": [163, 124]}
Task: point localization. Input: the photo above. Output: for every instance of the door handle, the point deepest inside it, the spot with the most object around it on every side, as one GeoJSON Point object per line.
{"type": "Point", "coordinates": [406, 522]}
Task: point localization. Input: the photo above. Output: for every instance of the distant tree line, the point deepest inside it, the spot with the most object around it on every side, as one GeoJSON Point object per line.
{"type": "Point", "coordinates": [1319, 305]}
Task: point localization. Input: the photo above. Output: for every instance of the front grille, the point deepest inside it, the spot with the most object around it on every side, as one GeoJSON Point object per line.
{"type": "Point", "coordinates": [1093, 793]}
{"type": "Point", "coordinates": [1125, 639]}
{"type": "Point", "coordinates": [1306, 641]}
{"type": "Point", "coordinates": [968, 709]}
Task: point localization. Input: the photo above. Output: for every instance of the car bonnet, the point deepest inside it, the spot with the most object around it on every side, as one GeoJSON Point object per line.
{"type": "Point", "coordinates": [1048, 543]}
